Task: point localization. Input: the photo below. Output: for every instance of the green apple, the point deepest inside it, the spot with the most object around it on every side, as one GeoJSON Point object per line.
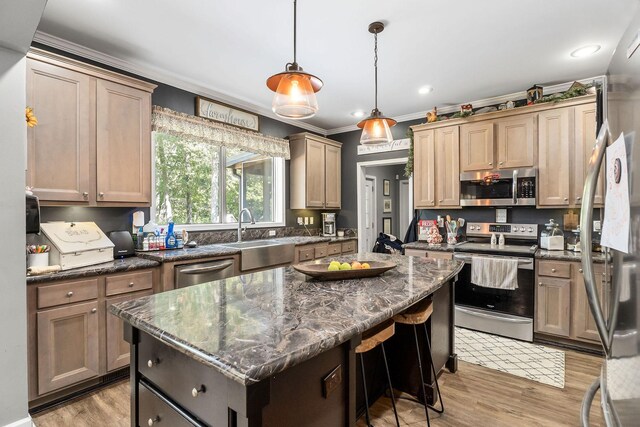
{"type": "Point", "coordinates": [345, 266]}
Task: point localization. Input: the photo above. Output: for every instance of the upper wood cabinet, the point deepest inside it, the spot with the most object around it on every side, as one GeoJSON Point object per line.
{"type": "Point", "coordinates": [585, 139]}
{"type": "Point", "coordinates": [436, 168]}
{"type": "Point", "coordinates": [516, 142]}
{"type": "Point", "coordinates": [315, 172]}
{"type": "Point", "coordinates": [555, 133]}
{"type": "Point", "coordinates": [92, 145]}
{"type": "Point", "coordinates": [476, 146]}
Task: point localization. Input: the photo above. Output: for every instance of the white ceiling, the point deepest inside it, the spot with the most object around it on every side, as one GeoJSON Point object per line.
{"type": "Point", "coordinates": [466, 49]}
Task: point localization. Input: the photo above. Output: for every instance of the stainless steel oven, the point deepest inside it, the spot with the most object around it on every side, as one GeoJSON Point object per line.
{"type": "Point", "coordinates": [508, 187]}
{"type": "Point", "coordinates": [498, 311]}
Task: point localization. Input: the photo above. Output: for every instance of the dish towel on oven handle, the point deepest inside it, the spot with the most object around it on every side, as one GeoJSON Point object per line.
{"type": "Point", "coordinates": [497, 273]}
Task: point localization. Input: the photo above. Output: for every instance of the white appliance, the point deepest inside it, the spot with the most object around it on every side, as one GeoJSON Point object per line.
{"type": "Point", "coordinates": [77, 244]}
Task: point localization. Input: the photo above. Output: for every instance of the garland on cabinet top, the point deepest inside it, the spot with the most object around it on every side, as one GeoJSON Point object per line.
{"type": "Point", "coordinates": [466, 110]}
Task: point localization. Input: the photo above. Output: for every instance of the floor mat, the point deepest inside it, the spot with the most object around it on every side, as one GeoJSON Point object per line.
{"type": "Point", "coordinates": [523, 359]}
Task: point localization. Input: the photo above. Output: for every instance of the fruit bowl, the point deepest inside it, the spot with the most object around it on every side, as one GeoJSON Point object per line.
{"type": "Point", "coordinates": [320, 271]}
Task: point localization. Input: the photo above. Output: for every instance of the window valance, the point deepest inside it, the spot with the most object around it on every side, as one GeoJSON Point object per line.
{"type": "Point", "coordinates": [192, 128]}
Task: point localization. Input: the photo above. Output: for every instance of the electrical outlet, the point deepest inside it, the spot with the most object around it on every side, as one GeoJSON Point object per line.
{"type": "Point", "coordinates": [311, 220]}
{"type": "Point", "coordinates": [306, 220]}
{"type": "Point", "coordinates": [597, 225]}
{"type": "Point", "coordinates": [272, 233]}
{"type": "Point", "coordinates": [300, 221]}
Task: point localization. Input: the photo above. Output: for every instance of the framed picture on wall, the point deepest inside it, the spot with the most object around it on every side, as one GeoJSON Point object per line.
{"type": "Point", "coordinates": [386, 207]}
{"type": "Point", "coordinates": [386, 225]}
{"type": "Point", "coordinates": [386, 188]}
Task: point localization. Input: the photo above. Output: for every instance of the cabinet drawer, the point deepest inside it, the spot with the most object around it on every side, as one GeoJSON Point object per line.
{"type": "Point", "coordinates": [197, 388]}
{"type": "Point", "coordinates": [349, 247]}
{"type": "Point", "coordinates": [554, 269]}
{"type": "Point", "coordinates": [321, 251]}
{"type": "Point", "coordinates": [334, 249]}
{"type": "Point", "coordinates": [306, 254]}
{"type": "Point", "coordinates": [129, 282]}
{"type": "Point", "coordinates": [154, 409]}
{"type": "Point", "coordinates": [66, 293]}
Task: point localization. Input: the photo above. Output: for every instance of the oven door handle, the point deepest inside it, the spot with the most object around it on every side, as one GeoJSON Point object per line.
{"type": "Point", "coordinates": [492, 316]}
{"type": "Point", "coordinates": [523, 263]}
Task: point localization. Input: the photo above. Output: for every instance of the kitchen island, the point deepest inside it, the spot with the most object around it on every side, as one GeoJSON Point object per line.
{"type": "Point", "coordinates": [271, 348]}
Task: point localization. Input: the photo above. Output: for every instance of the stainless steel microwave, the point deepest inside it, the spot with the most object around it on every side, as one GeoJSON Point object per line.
{"type": "Point", "coordinates": [508, 187]}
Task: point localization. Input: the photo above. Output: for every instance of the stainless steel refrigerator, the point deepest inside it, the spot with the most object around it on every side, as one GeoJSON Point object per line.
{"type": "Point", "coordinates": [617, 314]}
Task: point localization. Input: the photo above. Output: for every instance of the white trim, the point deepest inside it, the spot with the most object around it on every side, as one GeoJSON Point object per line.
{"type": "Point", "coordinates": [547, 90]}
{"type": "Point", "coordinates": [374, 213]}
{"type": "Point", "coordinates": [166, 77]}
{"type": "Point", "coordinates": [25, 422]}
{"type": "Point", "coordinates": [360, 176]}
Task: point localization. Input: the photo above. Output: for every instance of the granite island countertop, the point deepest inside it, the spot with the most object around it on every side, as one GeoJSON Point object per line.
{"type": "Point", "coordinates": [277, 318]}
{"type": "Point", "coordinates": [598, 257]}
{"type": "Point", "coordinates": [115, 266]}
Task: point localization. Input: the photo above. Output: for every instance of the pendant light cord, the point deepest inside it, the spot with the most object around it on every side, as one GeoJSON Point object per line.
{"type": "Point", "coordinates": [375, 65]}
{"type": "Point", "coordinates": [295, 20]}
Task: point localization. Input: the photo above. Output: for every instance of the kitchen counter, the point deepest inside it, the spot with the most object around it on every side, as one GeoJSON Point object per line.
{"type": "Point", "coordinates": [276, 319]}
{"type": "Point", "coordinates": [115, 266]}
{"type": "Point", "coordinates": [203, 251]}
{"type": "Point", "coordinates": [598, 257]}
{"type": "Point", "coordinates": [424, 246]}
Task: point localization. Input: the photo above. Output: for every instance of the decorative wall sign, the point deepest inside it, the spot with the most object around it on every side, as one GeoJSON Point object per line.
{"type": "Point", "coordinates": [386, 225]}
{"type": "Point", "coordinates": [213, 110]}
{"type": "Point", "coordinates": [386, 208]}
{"type": "Point", "coordinates": [386, 188]}
{"type": "Point", "coordinates": [395, 145]}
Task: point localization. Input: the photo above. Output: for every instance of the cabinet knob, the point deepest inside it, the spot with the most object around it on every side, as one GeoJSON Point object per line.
{"type": "Point", "coordinates": [501, 163]}
{"type": "Point", "coordinates": [553, 270]}
{"type": "Point", "coordinates": [152, 421]}
{"type": "Point", "coordinates": [539, 283]}
{"type": "Point", "coordinates": [430, 201]}
{"type": "Point", "coordinates": [70, 294]}
{"type": "Point", "coordinates": [578, 198]}
{"type": "Point", "coordinates": [566, 199]}
{"type": "Point", "coordinates": [153, 362]}
{"type": "Point", "coordinates": [101, 194]}
{"type": "Point", "coordinates": [440, 201]}
{"type": "Point", "coordinates": [94, 310]}
{"type": "Point", "coordinates": [580, 270]}
{"type": "Point", "coordinates": [85, 194]}
{"type": "Point", "coordinates": [196, 391]}
{"type": "Point", "coordinates": [490, 163]}
{"type": "Point", "coordinates": [131, 285]}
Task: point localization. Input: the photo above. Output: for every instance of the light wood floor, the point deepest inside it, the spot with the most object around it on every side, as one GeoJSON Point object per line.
{"type": "Point", "coordinates": [474, 396]}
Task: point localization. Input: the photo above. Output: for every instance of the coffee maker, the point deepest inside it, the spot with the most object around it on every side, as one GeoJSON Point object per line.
{"type": "Point", "coordinates": [329, 224]}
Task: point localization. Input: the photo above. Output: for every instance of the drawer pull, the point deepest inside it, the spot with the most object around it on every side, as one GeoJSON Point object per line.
{"type": "Point", "coordinates": [196, 391]}
{"type": "Point", "coordinates": [85, 194]}
{"type": "Point", "coordinates": [101, 194]}
{"type": "Point", "coordinates": [94, 310]}
{"type": "Point", "coordinates": [580, 271]}
{"type": "Point", "coordinates": [152, 421]}
{"type": "Point", "coordinates": [152, 363]}
{"type": "Point", "coordinates": [131, 284]}
{"type": "Point", "coordinates": [553, 270]}
{"type": "Point", "coordinates": [70, 294]}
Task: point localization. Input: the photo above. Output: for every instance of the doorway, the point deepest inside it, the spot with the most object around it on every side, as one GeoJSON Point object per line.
{"type": "Point", "coordinates": [385, 202]}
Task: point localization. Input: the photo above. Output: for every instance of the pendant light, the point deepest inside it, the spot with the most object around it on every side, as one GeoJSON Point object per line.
{"type": "Point", "coordinates": [375, 128]}
{"type": "Point", "coordinates": [295, 89]}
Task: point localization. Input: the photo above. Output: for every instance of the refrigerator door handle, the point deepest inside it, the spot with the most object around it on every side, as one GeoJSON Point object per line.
{"type": "Point", "coordinates": [586, 402]}
{"type": "Point", "coordinates": [586, 218]}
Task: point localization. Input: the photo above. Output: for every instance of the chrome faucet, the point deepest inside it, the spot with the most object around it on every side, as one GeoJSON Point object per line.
{"type": "Point", "coordinates": [240, 222]}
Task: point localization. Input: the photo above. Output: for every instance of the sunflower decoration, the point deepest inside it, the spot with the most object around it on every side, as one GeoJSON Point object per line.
{"type": "Point", "coordinates": [31, 118]}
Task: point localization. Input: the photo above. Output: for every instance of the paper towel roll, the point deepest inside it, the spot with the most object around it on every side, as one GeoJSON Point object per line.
{"type": "Point", "coordinates": [138, 218]}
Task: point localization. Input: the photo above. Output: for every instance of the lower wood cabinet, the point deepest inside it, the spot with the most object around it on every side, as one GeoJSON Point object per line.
{"type": "Point", "coordinates": [582, 322]}
{"type": "Point", "coordinates": [68, 341]}
{"type": "Point", "coordinates": [323, 250]}
{"type": "Point", "coordinates": [554, 306]}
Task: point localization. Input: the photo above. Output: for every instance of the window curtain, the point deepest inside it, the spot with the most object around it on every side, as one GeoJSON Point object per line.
{"type": "Point", "coordinates": [192, 128]}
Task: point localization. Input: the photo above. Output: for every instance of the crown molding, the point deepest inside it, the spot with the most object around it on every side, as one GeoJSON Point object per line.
{"type": "Point", "coordinates": [547, 90]}
{"type": "Point", "coordinates": [165, 77]}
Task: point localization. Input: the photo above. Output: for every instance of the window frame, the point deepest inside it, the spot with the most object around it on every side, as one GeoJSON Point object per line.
{"type": "Point", "coordinates": [279, 176]}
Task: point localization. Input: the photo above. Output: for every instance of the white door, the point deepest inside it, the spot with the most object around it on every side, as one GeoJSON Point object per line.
{"type": "Point", "coordinates": [404, 211]}
{"type": "Point", "coordinates": [369, 217]}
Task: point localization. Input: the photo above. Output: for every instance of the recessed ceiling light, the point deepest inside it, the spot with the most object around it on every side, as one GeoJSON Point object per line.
{"type": "Point", "coordinates": [585, 51]}
{"type": "Point", "coordinates": [358, 113]}
{"type": "Point", "coordinates": [425, 90]}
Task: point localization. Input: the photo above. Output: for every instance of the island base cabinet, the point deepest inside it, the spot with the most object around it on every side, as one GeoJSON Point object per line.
{"type": "Point", "coordinates": [156, 411]}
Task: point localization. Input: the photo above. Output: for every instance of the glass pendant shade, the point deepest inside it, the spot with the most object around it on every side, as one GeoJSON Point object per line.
{"type": "Point", "coordinates": [295, 97]}
{"type": "Point", "coordinates": [375, 131]}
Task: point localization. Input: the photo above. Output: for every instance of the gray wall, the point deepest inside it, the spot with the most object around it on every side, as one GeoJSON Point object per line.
{"type": "Point", "coordinates": [381, 173]}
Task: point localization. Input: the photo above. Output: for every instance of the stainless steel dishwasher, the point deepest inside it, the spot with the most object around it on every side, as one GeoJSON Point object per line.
{"type": "Point", "coordinates": [194, 274]}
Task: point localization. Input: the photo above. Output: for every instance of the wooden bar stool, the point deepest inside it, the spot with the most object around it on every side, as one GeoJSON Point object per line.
{"type": "Point", "coordinates": [418, 314]}
{"type": "Point", "coordinates": [370, 340]}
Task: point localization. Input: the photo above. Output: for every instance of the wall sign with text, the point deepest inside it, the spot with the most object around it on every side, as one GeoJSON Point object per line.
{"type": "Point", "coordinates": [213, 110]}
{"type": "Point", "coordinates": [395, 145]}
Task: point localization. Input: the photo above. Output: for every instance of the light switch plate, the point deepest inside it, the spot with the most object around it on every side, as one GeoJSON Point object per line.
{"type": "Point", "coordinates": [311, 220]}
{"type": "Point", "coordinates": [272, 233]}
{"type": "Point", "coordinates": [306, 220]}
{"type": "Point", "coordinates": [597, 225]}
{"type": "Point", "coordinates": [300, 221]}
{"type": "Point", "coordinates": [501, 215]}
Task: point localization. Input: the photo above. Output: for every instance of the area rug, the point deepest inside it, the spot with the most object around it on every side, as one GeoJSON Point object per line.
{"type": "Point", "coordinates": [535, 362]}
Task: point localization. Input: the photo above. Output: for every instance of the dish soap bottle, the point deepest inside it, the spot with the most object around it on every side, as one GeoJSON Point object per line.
{"type": "Point", "coordinates": [170, 239]}
{"type": "Point", "coordinates": [501, 240]}
{"type": "Point", "coordinates": [494, 241]}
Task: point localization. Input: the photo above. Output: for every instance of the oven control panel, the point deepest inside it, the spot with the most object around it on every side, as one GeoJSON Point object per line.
{"type": "Point", "coordinates": [484, 229]}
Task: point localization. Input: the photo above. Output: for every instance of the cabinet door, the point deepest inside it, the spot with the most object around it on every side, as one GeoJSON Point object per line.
{"type": "Point", "coordinates": [554, 137]}
{"type": "Point", "coordinates": [68, 341]}
{"type": "Point", "coordinates": [516, 142]}
{"type": "Point", "coordinates": [583, 324]}
{"type": "Point", "coordinates": [58, 148]}
{"type": "Point", "coordinates": [553, 303]}
{"type": "Point", "coordinates": [117, 347]}
{"type": "Point", "coordinates": [447, 166]}
{"type": "Point", "coordinates": [476, 146]}
{"type": "Point", "coordinates": [315, 165]}
{"type": "Point", "coordinates": [123, 144]}
{"type": "Point", "coordinates": [585, 139]}
{"type": "Point", "coordinates": [332, 173]}
{"type": "Point", "coordinates": [424, 169]}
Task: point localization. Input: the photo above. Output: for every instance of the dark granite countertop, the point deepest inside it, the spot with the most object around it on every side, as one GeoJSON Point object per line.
{"type": "Point", "coordinates": [115, 266]}
{"type": "Point", "coordinates": [276, 319]}
{"type": "Point", "coordinates": [203, 251]}
{"type": "Point", "coordinates": [424, 246]}
{"type": "Point", "coordinates": [598, 257]}
{"type": "Point", "coordinates": [309, 240]}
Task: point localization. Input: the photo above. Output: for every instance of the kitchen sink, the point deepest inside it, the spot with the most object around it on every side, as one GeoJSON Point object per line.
{"type": "Point", "coordinates": [263, 253]}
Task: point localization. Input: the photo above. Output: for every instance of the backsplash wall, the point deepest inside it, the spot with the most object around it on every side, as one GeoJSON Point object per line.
{"type": "Point", "coordinates": [108, 219]}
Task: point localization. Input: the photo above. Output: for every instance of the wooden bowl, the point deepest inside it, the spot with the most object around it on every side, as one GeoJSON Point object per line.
{"type": "Point", "coordinates": [320, 272]}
